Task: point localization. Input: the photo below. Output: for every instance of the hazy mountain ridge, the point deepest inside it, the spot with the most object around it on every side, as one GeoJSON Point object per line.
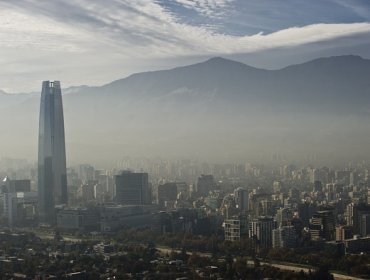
{"type": "Point", "coordinates": [208, 105]}
{"type": "Point", "coordinates": [230, 77]}
{"type": "Point", "coordinates": [315, 82]}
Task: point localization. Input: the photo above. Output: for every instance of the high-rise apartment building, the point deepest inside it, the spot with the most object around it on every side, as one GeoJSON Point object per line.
{"type": "Point", "coordinates": [283, 216]}
{"type": "Point", "coordinates": [261, 229]}
{"type": "Point", "coordinates": [235, 227]}
{"type": "Point", "coordinates": [52, 175]}
{"type": "Point", "coordinates": [284, 237]}
{"type": "Point", "coordinates": [232, 230]}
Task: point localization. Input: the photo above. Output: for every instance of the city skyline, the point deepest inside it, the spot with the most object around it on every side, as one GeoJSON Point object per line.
{"type": "Point", "coordinates": [206, 139]}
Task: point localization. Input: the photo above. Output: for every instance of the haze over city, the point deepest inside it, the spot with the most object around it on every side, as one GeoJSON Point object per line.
{"type": "Point", "coordinates": [93, 44]}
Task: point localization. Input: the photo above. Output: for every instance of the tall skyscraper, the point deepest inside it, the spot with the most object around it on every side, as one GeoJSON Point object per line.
{"type": "Point", "coordinates": [52, 175]}
{"type": "Point", "coordinates": [241, 198]}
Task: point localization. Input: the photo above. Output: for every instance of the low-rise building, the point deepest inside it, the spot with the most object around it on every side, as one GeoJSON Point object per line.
{"type": "Point", "coordinates": [78, 219]}
{"type": "Point", "coordinates": [357, 245]}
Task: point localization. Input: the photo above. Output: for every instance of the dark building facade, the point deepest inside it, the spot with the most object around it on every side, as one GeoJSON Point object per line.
{"type": "Point", "coordinates": [13, 186]}
{"type": "Point", "coordinates": [132, 188]}
{"type": "Point", "coordinates": [260, 230]}
{"type": "Point", "coordinates": [52, 175]}
{"type": "Point", "coordinates": [205, 184]}
{"type": "Point", "coordinates": [167, 192]}
{"type": "Point", "coordinates": [323, 225]}
{"type": "Point", "coordinates": [359, 210]}
{"type": "Point", "coordinates": [305, 212]}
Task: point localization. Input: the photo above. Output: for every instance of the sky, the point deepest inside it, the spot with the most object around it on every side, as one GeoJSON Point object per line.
{"type": "Point", "coordinates": [93, 42]}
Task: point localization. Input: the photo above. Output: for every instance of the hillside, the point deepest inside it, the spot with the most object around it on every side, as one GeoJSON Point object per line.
{"type": "Point", "coordinates": [217, 108]}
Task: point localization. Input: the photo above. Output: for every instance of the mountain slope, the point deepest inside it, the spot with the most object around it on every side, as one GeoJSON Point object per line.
{"type": "Point", "coordinates": [315, 83]}
{"type": "Point", "coordinates": [214, 108]}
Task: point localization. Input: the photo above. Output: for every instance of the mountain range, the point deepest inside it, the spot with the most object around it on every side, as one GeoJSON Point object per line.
{"type": "Point", "coordinates": [217, 109]}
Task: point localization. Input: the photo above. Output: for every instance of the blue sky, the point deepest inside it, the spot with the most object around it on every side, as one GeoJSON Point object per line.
{"type": "Point", "coordinates": [243, 17]}
{"type": "Point", "coordinates": [94, 41]}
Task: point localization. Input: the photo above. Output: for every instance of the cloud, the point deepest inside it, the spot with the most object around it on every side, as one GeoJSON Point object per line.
{"type": "Point", "coordinates": [209, 8]}
{"type": "Point", "coordinates": [19, 30]}
{"type": "Point", "coordinates": [102, 41]}
{"type": "Point", "coordinates": [144, 26]}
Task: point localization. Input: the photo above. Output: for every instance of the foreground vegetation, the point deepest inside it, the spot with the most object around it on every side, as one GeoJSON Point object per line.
{"type": "Point", "coordinates": [347, 264]}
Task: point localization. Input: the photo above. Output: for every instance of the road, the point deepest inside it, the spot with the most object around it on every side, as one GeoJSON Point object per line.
{"type": "Point", "coordinates": [296, 268]}
{"type": "Point", "coordinates": [48, 234]}
{"type": "Point", "coordinates": [292, 267]}
{"type": "Point", "coordinates": [288, 267]}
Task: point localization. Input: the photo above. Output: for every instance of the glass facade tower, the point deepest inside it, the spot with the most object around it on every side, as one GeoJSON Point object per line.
{"type": "Point", "coordinates": [52, 175]}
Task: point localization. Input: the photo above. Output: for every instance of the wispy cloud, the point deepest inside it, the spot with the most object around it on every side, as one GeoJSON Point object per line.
{"type": "Point", "coordinates": [144, 25]}
{"type": "Point", "coordinates": [361, 8]}
{"type": "Point", "coordinates": [20, 30]}
{"type": "Point", "coordinates": [209, 8]}
{"type": "Point", "coordinates": [86, 35]}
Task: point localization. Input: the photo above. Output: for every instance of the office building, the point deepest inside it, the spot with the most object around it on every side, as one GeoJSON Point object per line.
{"type": "Point", "coordinates": [52, 175]}
{"type": "Point", "coordinates": [205, 184]}
{"type": "Point", "coordinates": [20, 208]}
{"type": "Point", "coordinates": [87, 191]}
{"type": "Point", "coordinates": [116, 217]}
{"type": "Point", "coordinates": [132, 188]}
{"type": "Point", "coordinates": [323, 223]}
{"type": "Point", "coordinates": [13, 186]}
{"type": "Point", "coordinates": [357, 245]}
{"type": "Point", "coordinates": [241, 199]}
{"type": "Point", "coordinates": [78, 219]}
{"type": "Point", "coordinates": [167, 193]}
{"type": "Point", "coordinates": [355, 213]}
{"type": "Point", "coordinates": [305, 212]}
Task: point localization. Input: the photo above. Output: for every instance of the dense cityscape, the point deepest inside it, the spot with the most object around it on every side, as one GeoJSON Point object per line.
{"type": "Point", "coordinates": [166, 219]}
{"type": "Point", "coordinates": [184, 139]}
